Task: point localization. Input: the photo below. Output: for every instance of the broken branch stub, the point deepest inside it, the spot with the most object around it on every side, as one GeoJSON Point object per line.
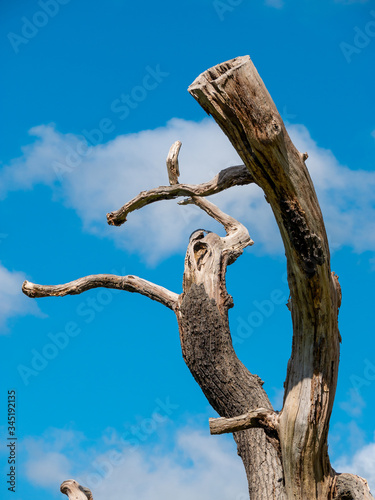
{"type": "Point", "coordinates": [172, 163]}
{"type": "Point", "coordinates": [75, 491]}
{"type": "Point", "coordinates": [262, 418]}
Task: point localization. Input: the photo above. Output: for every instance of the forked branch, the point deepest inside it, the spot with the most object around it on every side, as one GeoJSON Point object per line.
{"type": "Point", "coordinates": [232, 176]}
{"type": "Point", "coordinates": [127, 283]}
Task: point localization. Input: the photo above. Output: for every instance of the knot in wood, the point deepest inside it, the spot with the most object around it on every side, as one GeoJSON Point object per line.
{"type": "Point", "coordinates": [307, 244]}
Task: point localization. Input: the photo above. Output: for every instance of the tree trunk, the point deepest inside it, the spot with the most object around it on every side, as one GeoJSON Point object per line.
{"type": "Point", "coordinates": [208, 352]}
{"type": "Point", "coordinates": [234, 94]}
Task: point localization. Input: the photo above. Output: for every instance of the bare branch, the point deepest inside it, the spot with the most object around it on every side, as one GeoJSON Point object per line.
{"type": "Point", "coordinates": [260, 418]}
{"type": "Point", "coordinates": [231, 176]}
{"type": "Point", "coordinates": [237, 235]}
{"type": "Point", "coordinates": [75, 491]}
{"type": "Point", "coordinates": [127, 283]}
{"type": "Point", "coordinates": [172, 163]}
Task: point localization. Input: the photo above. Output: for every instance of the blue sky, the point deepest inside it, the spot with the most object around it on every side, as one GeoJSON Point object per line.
{"type": "Point", "coordinates": [93, 97]}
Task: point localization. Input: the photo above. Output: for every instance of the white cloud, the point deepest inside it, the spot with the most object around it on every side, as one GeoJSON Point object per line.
{"type": "Point", "coordinates": [111, 174]}
{"type": "Point", "coordinates": [47, 470]}
{"type": "Point", "coordinates": [48, 463]}
{"type": "Point", "coordinates": [346, 439]}
{"type": "Point", "coordinates": [199, 466]}
{"type": "Point", "coordinates": [12, 301]}
{"type": "Point", "coordinates": [354, 403]}
{"type": "Point", "coordinates": [361, 463]}
{"type": "Point", "coordinates": [35, 165]}
{"type": "Point", "coordinates": [347, 197]}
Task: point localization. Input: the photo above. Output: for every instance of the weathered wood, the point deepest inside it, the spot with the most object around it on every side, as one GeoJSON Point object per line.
{"type": "Point", "coordinates": [261, 418]}
{"type": "Point", "coordinates": [128, 283]}
{"type": "Point", "coordinates": [227, 384]}
{"type": "Point", "coordinates": [231, 176]}
{"type": "Point", "coordinates": [207, 348]}
{"type": "Point", "coordinates": [351, 487]}
{"type": "Point", "coordinates": [172, 163]}
{"type": "Point", "coordinates": [75, 491]}
{"type": "Point", "coordinates": [234, 94]}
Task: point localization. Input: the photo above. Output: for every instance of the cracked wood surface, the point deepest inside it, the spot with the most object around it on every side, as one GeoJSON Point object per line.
{"type": "Point", "coordinates": [262, 418]}
{"type": "Point", "coordinates": [236, 97]}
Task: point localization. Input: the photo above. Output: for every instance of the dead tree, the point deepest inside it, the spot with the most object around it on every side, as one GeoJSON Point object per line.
{"type": "Point", "coordinates": [285, 454]}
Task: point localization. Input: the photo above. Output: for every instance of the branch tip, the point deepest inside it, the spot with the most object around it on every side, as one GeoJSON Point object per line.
{"type": "Point", "coordinates": [128, 283]}
{"type": "Point", "coordinates": [75, 491]}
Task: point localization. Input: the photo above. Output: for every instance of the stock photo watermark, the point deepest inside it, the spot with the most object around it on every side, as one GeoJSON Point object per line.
{"type": "Point", "coordinates": [11, 442]}
{"type": "Point", "coordinates": [103, 467]}
{"type": "Point", "coordinates": [87, 310]}
{"type": "Point", "coordinates": [221, 8]}
{"type": "Point", "coordinates": [31, 27]}
{"type": "Point", "coordinates": [260, 312]}
{"type": "Point", "coordinates": [355, 403]}
{"type": "Point", "coordinates": [121, 107]}
{"type": "Point", "coordinates": [364, 380]}
{"type": "Point", "coordinates": [362, 38]}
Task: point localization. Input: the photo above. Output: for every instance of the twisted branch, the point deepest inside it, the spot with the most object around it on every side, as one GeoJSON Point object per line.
{"type": "Point", "coordinates": [232, 176]}
{"type": "Point", "coordinates": [128, 283]}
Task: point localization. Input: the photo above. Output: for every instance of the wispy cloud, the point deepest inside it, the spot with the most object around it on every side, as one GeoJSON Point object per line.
{"type": "Point", "coordinates": [354, 403]}
{"type": "Point", "coordinates": [346, 196]}
{"type": "Point", "coordinates": [362, 463]}
{"type": "Point", "coordinates": [345, 439]}
{"type": "Point", "coordinates": [97, 179]}
{"type": "Point", "coordinates": [199, 466]}
{"type": "Point", "coordinates": [12, 301]}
